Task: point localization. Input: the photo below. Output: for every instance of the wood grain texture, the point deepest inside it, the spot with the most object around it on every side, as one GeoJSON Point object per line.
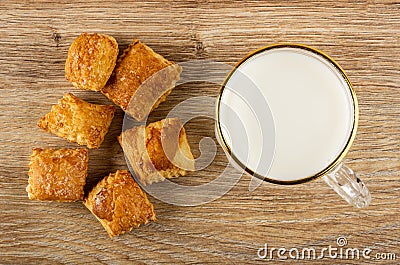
{"type": "Point", "coordinates": [363, 36]}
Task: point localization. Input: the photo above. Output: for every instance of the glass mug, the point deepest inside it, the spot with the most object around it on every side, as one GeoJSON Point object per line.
{"type": "Point", "coordinates": [288, 114]}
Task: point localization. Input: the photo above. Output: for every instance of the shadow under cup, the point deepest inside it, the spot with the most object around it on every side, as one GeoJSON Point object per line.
{"type": "Point", "coordinates": [287, 114]}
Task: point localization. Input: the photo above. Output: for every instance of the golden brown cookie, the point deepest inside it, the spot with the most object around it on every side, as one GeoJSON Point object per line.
{"type": "Point", "coordinates": [57, 174]}
{"type": "Point", "coordinates": [119, 203]}
{"type": "Point", "coordinates": [91, 60]}
{"type": "Point", "coordinates": [141, 80]}
{"type": "Point", "coordinates": [158, 151]}
{"type": "Point", "coordinates": [78, 121]}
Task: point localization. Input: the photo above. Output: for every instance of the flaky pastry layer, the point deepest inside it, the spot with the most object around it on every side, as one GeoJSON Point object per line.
{"type": "Point", "coordinates": [158, 151]}
{"type": "Point", "coordinates": [78, 121]}
{"type": "Point", "coordinates": [141, 80]}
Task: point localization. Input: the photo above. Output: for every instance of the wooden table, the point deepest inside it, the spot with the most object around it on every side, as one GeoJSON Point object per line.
{"type": "Point", "coordinates": [364, 37]}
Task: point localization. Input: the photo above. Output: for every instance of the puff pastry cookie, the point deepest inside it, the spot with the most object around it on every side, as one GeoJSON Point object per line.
{"type": "Point", "coordinates": [141, 80]}
{"type": "Point", "coordinates": [78, 121]}
{"type": "Point", "coordinates": [119, 203]}
{"type": "Point", "coordinates": [91, 60]}
{"type": "Point", "coordinates": [57, 174]}
{"type": "Point", "coordinates": [158, 151]}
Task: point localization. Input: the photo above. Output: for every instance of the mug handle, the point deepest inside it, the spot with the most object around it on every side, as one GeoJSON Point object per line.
{"type": "Point", "coordinates": [345, 182]}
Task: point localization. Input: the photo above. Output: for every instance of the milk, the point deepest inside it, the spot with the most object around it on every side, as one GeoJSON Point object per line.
{"type": "Point", "coordinates": [304, 113]}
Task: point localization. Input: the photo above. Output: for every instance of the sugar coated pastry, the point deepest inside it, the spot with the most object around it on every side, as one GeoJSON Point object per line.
{"type": "Point", "coordinates": [57, 174]}
{"type": "Point", "coordinates": [91, 60]}
{"type": "Point", "coordinates": [78, 121]}
{"type": "Point", "coordinates": [158, 151]}
{"type": "Point", "coordinates": [141, 80]}
{"type": "Point", "coordinates": [119, 203]}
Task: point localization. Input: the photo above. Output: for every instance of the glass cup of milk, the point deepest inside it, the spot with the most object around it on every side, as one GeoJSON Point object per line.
{"type": "Point", "coordinates": [288, 114]}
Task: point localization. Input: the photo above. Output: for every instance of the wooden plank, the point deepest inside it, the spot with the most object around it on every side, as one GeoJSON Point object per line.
{"type": "Point", "coordinates": [363, 36]}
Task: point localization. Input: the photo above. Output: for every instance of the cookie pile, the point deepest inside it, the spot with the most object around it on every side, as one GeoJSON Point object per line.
{"type": "Point", "coordinates": [137, 81]}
